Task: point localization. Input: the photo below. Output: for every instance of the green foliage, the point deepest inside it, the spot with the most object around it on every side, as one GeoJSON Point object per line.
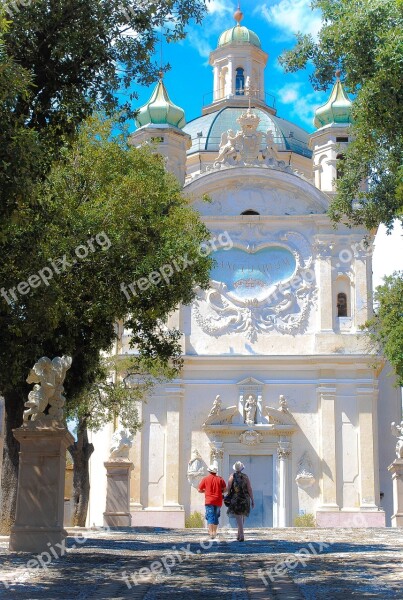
{"type": "Point", "coordinates": [385, 329]}
{"type": "Point", "coordinates": [100, 185]}
{"type": "Point", "coordinates": [81, 52]}
{"type": "Point", "coordinates": [364, 38]}
{"type": "Point", "coordinates": [307, 520]}
{"type": "Point", "coordinates": [194, 521]}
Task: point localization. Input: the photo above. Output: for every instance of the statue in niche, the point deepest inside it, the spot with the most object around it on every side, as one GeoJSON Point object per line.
{"type": "Point", "coordinates": [46, 400]}
{"type": "Point", "coordinates": [250, 410]}
{"type": "Point", "coordinates": [196, 470]}
{"type": "Point", "coordinates": [397, 430]}
{"type": "Point", "coordinates": [121, 443]}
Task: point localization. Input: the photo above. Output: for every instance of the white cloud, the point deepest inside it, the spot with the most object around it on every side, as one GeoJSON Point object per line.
{"type": "Point", "coordinates": [301, 105]}
{"type": "Point", "coordinates": [292, 16]}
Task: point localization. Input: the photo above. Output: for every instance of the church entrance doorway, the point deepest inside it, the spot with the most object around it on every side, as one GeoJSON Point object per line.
{"type": "Point", "coordinates": [260, 472]}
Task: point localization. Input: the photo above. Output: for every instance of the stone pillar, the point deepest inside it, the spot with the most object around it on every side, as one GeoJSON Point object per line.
{"type": "Point", "coordinates": [231, 81]}
{"type": "Point", "coordinates": [284, 491]}
{"type": "Point", "coordinates": [172, 470]}
{"type": "Point", "coordinates": [363, 300]}
{"type": "Point", "coordinates": [324, 275]}
{"type": "Point", "coordinates": [117, 510]}
{"type": "Point", "coordinates": [396, 469]}
{"type": "Point", "coordinates": [136, 457]}
{"type": "Point", "coordinates": [40, 493]}
{"type": "Point", "coordinates": [367, 452]}
{"type": "Point", "coordinates": [327, 400]}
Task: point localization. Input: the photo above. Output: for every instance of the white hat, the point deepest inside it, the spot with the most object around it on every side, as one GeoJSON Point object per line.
{"type": "Point", "coordinates": [212, 469]}
{"type": "Point", "coordinates": [238, 466]}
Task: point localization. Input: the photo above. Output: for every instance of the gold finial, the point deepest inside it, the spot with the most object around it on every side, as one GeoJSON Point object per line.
{"type": "Point", "coordinates": [238, 14]}
{"type": "Point", "coordinates": [338, 73]}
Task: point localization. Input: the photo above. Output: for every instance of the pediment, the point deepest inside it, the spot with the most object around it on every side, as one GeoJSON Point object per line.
{"type": "Point", "coordinates": [269, 193]}
{"type": "Point", "coordinates": [250, 381]}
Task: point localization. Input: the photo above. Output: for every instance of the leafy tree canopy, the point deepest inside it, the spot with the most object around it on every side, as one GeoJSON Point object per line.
{"type": "Point", "coordinates": [363, 38]}
{"type": "Point", "coordinates": [386, 327]}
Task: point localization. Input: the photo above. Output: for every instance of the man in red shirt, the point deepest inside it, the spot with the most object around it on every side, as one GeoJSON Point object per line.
{"type": "Point", "coordinates": [213, 487]}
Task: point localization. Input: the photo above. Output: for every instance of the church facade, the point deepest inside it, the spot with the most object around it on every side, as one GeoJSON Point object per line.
{"type": "Point", "coordinates": [276, 370]}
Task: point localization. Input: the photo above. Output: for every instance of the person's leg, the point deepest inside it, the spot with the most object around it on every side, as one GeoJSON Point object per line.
{"type": "Point", "coordinates": [210, 519]}
{"type": "Point", "coordinates": [239, 522]}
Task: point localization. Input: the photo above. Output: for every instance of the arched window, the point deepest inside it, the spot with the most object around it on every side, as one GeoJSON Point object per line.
{"type": "Point", "coordinates": [339, 165]}
{"type": "Point", "coordinates": [342, 304]}
{"type": "Point", "coordinates": [240, 82]}
{"type": "Point", "coordinates": [250, 212]}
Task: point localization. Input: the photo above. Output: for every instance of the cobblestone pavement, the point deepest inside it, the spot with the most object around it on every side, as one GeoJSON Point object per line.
{"type": "Point", "coordinates": [315, 564]}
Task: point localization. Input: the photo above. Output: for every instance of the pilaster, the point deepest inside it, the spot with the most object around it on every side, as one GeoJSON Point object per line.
{"type": "Point", "coordinates": [174, 395]}
{"type": "Point", "coordinates": [327, 420]}
{"type": "Point", "coordinates": [368, 461]}
{"type": "Point", "coordinates": [284, 495]}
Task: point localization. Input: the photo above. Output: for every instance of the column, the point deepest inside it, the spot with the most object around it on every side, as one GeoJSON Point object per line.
{"type": "Point", "coordinates": [136, 457]}
{"type": "Point", "coordinates": [216, 94]}
{"type": "Point", "coordinates": [366, 405]}
{"type": "Point", "coordinates": [230, 90]}
{"type": "Point", "coordinates": [327, 419]}
{"type": "Point", "coordinates": [363, 302]}
{"type": "Point", "coordinates": [396, 469]}
{"type": "Point", "coordinates": [40, 493]}
{"type": "Point", "coordinates": [324, 276]}
{"type": "Point", "coordinates": [284, 488]}
{"type": "Point", "coordinates": [174, 394]}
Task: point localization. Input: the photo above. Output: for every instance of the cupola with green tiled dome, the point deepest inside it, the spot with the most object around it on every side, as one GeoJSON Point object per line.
{"type": "Point", "coordinates": [160, 110]}
{"type": "Point", "coordinates": [239, 34]}
{"type": "Point", "coordinates": [337, 110]}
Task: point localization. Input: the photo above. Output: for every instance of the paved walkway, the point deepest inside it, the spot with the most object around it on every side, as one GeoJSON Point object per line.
{"type": "Point", "coordinates": [159, 564]}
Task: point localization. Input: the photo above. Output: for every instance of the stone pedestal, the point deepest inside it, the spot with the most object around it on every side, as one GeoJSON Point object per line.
{"type": "Point", "coordinates": [40, 495]}
{"type": "Point", "coordinates": [117, 511]}
{"type": "Point", "coordinates": [396, 469]}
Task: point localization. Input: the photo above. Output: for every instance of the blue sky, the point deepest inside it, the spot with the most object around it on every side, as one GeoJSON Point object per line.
{"type": "Point", "coordinates": [275, 22]}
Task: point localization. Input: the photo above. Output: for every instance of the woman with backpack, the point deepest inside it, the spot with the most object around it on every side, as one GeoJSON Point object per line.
{"type": "Point", "coordinates": [240, 497]}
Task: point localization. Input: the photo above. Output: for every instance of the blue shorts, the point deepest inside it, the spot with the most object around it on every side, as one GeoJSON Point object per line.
{"type": "Point", "coordinates": [212, 514]}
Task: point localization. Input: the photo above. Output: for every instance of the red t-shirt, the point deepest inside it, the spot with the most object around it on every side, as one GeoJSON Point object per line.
{"type": "Point", "coordinates": [213, 487]}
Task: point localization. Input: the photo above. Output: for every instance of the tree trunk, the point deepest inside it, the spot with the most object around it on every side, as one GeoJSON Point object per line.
{"type": "Point", "coordinates": [81, 452]}
{"type": "Point", "coordinates": [14, 408]}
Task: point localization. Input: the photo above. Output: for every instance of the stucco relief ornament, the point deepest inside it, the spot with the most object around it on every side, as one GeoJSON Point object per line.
{"type": "Point", "coordinates": [397, 430]}
{"type": "Point", "coordinates": [196, 469]}
{"type": "Point", "coordinates": [250, 438]}
{"type": "Point", "coordinates": [122, 441]}
{"type": "Point", "coordinates": [46, 401]}
{"type": "Point", "coordinates": [305, 477]}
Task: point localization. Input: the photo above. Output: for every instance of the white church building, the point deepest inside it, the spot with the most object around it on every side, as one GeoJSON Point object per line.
{"type": "Point", "coordinates": [276, 372]}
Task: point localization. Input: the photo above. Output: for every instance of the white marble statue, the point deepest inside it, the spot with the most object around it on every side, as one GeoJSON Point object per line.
{"type": "Point", "coordinates": [250, 410]}
{"type": "Point", "coordinates": [216, 408]}
{"type": "Point", "coordinates": [121, 443]}
{"type": "Point", "coordinates": [397, 430]}
{"type": "Point", "coordinates": [47, 394]}
{"type": "Point", "coordinates": [196, 469]}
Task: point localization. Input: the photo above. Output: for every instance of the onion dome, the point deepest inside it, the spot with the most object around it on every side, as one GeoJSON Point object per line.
{"type": "Point", "coordinates": [239, 34]}
{"type": "Point", "coordinates": [160, 110]}
{"type": "Point", "coordinates": [338, 109]}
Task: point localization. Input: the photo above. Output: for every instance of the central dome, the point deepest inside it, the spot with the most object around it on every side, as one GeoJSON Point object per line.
{"type": "Point", "coordinates": [239, 35]}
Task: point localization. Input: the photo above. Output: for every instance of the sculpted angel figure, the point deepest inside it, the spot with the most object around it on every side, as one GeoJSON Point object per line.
{"type": "Point", "coordinates": [227, 144]}
{"type": "Point", "coordinates": [216, 408]}
{"type": "Point", "coordinates": [47, 394]}
{"type": "Point", "coordinates": [121, 443]}
{"type": "Point", "coordinates": [196, 469]}
{"type": "Point", "coordinates": [397, 430]}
